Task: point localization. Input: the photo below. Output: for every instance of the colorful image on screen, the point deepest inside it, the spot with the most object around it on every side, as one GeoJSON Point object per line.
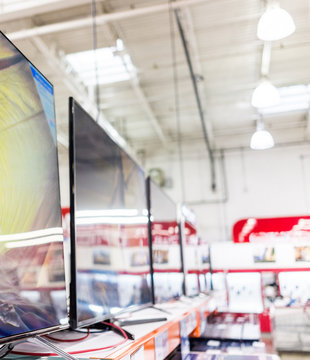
{"type": "Point", "coordinates": [31, 236]}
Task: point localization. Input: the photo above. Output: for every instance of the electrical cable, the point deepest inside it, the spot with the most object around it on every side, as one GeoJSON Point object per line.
{"type": "Point", "coordinates": [198, 101]}
{"type": "Point", "coordinates": [122, 332]}
{"type": "Point", "coordinates": [176, 98]}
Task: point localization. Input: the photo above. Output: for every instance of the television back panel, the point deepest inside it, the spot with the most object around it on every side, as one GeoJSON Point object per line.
{"type": "Point", "coordinates": [109, 244]}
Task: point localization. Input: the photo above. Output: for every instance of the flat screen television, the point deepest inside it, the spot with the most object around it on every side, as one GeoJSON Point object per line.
{"type": "Point", "coordinates": [191, 251]}
{"type": "Point", "coordinates": [165, 245]}
{"type": "Point", "coordinates": [32, 285]}
{"type": "Point", "coordinates": [110, 259]}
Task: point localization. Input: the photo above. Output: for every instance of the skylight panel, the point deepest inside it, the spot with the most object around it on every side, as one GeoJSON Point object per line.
{"type": "Point", "coordinates": [292, 98]}
{"type": "Point", "coordinates": [112, 65]}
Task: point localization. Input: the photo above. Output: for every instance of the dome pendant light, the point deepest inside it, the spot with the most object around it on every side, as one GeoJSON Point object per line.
{"type": "Point", "coordinates": [265, 95]}
{"type": "Point", "coordinates": [275, 24]}
{"type": "Point", "coordinates": [261, 139]}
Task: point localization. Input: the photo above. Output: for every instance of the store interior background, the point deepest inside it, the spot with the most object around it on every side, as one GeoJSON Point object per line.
{"type": "Point", "coordinates": [227, 57]}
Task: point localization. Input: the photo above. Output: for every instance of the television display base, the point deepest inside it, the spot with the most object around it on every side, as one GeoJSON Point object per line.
{"type": "Point", "coordinates": [160, 309]}
{"type": "Point", "coordinates": [38, 340]}
{"type": "Point", "coordinates": [49, 345]}
{"type": "Point", "coordinates": [138, 321]}
{"type": "Point", "coordinates": [5, 350]}
{"type": "Point", "coordinates": [107, 325]}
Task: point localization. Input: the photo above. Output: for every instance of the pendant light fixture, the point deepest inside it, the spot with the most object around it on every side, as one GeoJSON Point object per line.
{"type": "Point", "coordinates": [265, 94]}
{"type": "Point", "coordinates": [261, 139]}
{"type": "Point", "coordinates": [275, 24]}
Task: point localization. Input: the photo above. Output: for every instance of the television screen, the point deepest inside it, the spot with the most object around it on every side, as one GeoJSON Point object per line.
{"type": "Point", "coordinates": [191, 251]}
{"type": "Point", "coordinates": [192, 284]}
{"type": "Point", "coordinates": [167, 267]}
{"type": "Point", "coordinates": [203, 286]}
{"type": "Point", "coordinates": [109, 241]}
{"type": "Point", "coordinates": [31, 237]}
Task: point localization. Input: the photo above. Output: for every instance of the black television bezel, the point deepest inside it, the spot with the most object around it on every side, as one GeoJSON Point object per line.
{"type": "Point", "coordinates": [149, 208]}
{"type": "Point", "coordinates": [73, 316]}
{"type": "Point", "coordinates": [47, 330]}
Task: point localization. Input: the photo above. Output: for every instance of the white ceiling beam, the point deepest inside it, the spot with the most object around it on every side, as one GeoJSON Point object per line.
{"type": "Point", "coordinates": [79, 92]}
{"type": "Point", "coordinates": [100, 19]}
{"type": "Point", "coordinates": [115, 30]}
{"type": "Point", "coordinates": [29, 9]}
{"type": "Point", "coordinates": [148, 110]}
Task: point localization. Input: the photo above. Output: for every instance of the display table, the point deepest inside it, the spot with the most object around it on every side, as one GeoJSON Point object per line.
{"type": "Point", "coordinates": [153, 341]}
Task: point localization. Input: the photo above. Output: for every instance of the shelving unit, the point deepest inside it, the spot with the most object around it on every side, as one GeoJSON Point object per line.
{"type": "Point", "coordinates": [153, 341]}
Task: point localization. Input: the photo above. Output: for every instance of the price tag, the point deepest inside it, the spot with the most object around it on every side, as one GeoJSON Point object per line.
{"type": "Point", "coordinates": [161, 345]}
{"type": "Point", "coordinates": [138, 355]}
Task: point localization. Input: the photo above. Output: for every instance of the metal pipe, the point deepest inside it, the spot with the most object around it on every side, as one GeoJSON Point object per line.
{"type": "Point", "coordinates": [266, 57]}
{"type": "Point", "coordinates": [100, 19]}
{"type": "Point", "coordinates": [224, 199]}
{"type": "Point", "coordinates": [200, 110]}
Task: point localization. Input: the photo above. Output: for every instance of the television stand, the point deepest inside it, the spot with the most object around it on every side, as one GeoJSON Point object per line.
{"type": "Point", "coordinates": [129, 322]}
{"type": "Point", "coordinates": [160, 309]}
{"type": "Point", "coordinates": [42, 341]}
{"type": "Point", "coordinates": [7, 348]}
{"type": "Point", "coordinates": [107, 325]}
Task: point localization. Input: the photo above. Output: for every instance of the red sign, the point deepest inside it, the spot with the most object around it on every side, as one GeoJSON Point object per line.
{"type": "Point", "coordinates": [255, 229]}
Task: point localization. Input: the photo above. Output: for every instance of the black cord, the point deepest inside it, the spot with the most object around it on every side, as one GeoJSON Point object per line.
{"type": "Point", "coordinates": [176, 98]}
{"type": "Point", "coordinates": [95, 45]}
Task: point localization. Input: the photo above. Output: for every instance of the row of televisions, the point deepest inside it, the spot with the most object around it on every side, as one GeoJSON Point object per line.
{"type": "Point", "coordinates": [113, 211]}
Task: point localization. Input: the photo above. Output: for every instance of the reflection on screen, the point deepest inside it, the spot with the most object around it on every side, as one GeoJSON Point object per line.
{"type": "Point", "coordinates": [112, 256]}
{"type": "Point", "coordinates": [202, 282]}
{"type": "Point", "coordinates": [31, 238]}
{"type": "Point", "coordinates": [192, 254]}
{"type": "Point", "coordinates": [166, 249]}
{"type": "Point", "coordinates": [192, 284]}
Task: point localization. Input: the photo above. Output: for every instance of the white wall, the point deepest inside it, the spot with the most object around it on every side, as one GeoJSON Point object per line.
{"type": "Point", "coordinates": [265, 183]}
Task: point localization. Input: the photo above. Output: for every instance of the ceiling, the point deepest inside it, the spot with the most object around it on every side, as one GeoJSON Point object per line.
{"type": "Point", "coordinates": [157, 107]}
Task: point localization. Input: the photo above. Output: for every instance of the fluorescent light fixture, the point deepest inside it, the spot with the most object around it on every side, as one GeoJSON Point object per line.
{"type": "Point", "coordinates": [275, 24]}
{"type": "Point", "coordinates": [34, 242]}
{"type": "Point", "coordinates": [135, 220]}
{"type": "Point", "coordinates": [107, 212]}
{"type": "Point", "coordinates": [96, 308]}
{"type": "Point", "coordinates": [113, 65]}
{"type": "Point", "coordinates": [265, 95]}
